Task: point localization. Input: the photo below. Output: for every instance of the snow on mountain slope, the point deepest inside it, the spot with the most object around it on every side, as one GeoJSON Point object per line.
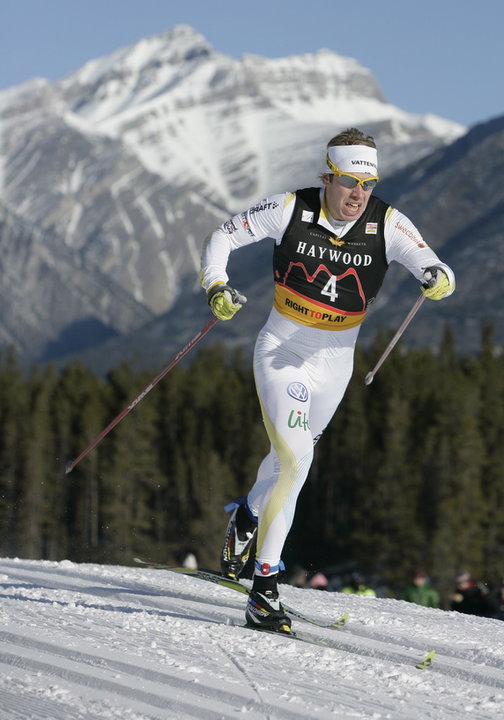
{"type": "Point", "coordinates": [234, 125]}
{"type": "Point", "coordinates": [132, 159]}
{"type": "Point", "coordinates": [104, 642]}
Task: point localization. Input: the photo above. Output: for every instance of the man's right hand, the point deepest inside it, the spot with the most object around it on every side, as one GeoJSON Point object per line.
{"type": "Point", "coordinates": [436, 284]}
{"type": "Point", "coordinates": [225, 301]}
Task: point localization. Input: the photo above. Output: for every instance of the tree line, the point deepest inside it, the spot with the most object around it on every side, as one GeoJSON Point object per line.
{"type": "Point", "coordinates": [408, 474]}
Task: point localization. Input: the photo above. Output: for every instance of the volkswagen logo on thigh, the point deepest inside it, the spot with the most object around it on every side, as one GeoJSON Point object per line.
{"type": "Point", "coordinates": [298, 391]}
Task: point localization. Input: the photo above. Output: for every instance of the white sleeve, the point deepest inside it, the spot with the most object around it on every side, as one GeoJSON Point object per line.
{"type": "Point", "coordinates": [267, 219]}
{"type": "Point", "coordinates": [405, 245]}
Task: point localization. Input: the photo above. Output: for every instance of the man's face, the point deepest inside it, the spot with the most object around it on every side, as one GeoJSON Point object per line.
{"type": "Point", "coordinates": [343, 203]}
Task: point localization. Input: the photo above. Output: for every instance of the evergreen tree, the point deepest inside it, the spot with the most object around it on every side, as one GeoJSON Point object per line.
{"type": "Point", "coordinates": [37, 469]}
{"type": "Point", "coordinates": [131, 479]}
{"type": "Point", "coordinates": [408, 473]}
{"type": "Point", "coordinates": [488, 373]}
{"type": "Point", "coordinates": [13, 412]}
{"type": "Point", "coordinates": [453, 461]}
{"type": "Point", "coordinates": [77, 417]}
{"type": "Point", "coordinates": [387, 530]}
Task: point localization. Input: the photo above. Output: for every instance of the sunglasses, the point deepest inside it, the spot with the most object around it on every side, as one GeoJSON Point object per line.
{"type": "Point", "coordinates": [350, 181]}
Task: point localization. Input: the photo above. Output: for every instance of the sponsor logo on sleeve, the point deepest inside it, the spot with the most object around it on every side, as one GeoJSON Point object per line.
{"type": "Point", "coordinates": [263, 206]}
{"type": "Point", "coordinates": [229, 227]}
{"type": "Point", "coordinates": [245, 224]}
{"type": "Point", "coordinates": [409, 233]}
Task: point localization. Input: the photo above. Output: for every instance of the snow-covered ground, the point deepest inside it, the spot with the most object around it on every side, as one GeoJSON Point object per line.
{"type": "Point", "coordinates": [95, 641]}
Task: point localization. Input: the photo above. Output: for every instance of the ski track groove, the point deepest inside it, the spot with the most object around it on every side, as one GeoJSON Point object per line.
{"type": "Point", "coordinates": [140, 699]}
{"type": "Point", "coordinates": [338, 639]}
{"type": "Point", "coordinates": [440, 649]}
{"type": "Point", "coordinates": [57, 662]}
{"type": "Point", "coordinates": [243, 673]}
{"type": "Point", "coordinates": [342, 644]}
{"type": "Point", "coordinates": [19, 706]}
{"type": "Point", "coordinates": [149, 600]}
{"type": "Point", "coordinates": [365, 633]}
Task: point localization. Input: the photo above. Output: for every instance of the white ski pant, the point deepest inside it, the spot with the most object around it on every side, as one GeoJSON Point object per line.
{"type": "Point", "coordinates": [301, 375]}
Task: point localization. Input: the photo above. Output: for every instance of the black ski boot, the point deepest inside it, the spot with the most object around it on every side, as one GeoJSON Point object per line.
{"type": "Point", "coordinates": [264, 610]}
{"type": "Point", "coordinates": [240, 537]}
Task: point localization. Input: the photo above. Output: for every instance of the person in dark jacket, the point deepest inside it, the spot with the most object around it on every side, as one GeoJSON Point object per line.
{"type": "Point", "coordinates": [420, 591]}
{"type": "Point", "coordinates": [472, 597]}
{"type": "Point", "coordinates": [497, 596]}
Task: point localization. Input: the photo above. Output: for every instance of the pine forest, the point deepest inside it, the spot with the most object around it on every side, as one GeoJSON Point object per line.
{"type": "Point", "coordinates": [409, 473]}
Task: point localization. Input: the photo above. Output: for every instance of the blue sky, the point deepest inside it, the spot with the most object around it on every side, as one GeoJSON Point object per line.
{"type": "Point", "coordinates": [444, 57]}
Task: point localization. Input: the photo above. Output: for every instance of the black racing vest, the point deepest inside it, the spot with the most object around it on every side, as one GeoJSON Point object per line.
{"type": "Point", "coordinates": [325, 281]}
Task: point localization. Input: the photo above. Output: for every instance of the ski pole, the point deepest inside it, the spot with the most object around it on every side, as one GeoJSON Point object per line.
{"type": "Point", "coordinates": [72, 463]}
{"type": "Point", "coordinates": [409, 317]}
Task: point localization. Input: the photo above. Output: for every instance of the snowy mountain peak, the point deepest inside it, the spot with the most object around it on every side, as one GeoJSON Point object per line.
{"type": "Point", "coordinates": [323, 63]}
{"type": "Point", "coordinates": [227, 124]}
{"type": "Point", "coordinates": [179, 66]}
{"type": "Point", "coordinates": [178, 45]}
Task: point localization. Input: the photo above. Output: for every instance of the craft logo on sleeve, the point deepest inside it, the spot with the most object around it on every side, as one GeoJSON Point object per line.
{"type": "Point", "coordinates": [263, 206]}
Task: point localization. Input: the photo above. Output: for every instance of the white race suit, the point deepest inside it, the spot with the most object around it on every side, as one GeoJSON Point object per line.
{"type": "Point", "coordinates": [326, 273]}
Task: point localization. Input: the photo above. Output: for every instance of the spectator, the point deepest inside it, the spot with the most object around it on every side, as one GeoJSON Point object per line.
{"type": "Point", "coordinates": [187, 559]}
{"type": "Point", "coordinates": [497, 597]}
{"type": "Point", "coordinates": [472, 597]}
{"type": "Point", "coordinates": [358, 586]}
{"type": "Point", "coordinates": [319, 581]}
{"type": "Point", "coordinates": [420, 591]}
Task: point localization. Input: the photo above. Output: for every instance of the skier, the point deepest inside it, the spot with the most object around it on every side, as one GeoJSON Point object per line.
{"type": "Point", "coordinates": [332, 248]}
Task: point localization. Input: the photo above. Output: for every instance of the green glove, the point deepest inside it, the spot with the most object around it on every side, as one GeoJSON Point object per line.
{"type": "Point", "coordinates": [225, 301]}
{"type": "Point", "coordinates": [436, 284]}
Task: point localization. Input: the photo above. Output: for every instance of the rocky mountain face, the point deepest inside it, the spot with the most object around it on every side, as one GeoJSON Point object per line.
{"type": "Point", "coordinates": [453, 196]}
{"type": "Point", "coordinates": [51, 297]}
{"type": "Point", "coordinates": [111, 178]}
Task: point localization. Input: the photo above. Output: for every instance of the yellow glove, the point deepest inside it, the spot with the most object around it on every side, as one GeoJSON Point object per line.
{"type": "Point", "coordinates": [436, 284]}
{"type": "Point", "coordinates": [225, 301]}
